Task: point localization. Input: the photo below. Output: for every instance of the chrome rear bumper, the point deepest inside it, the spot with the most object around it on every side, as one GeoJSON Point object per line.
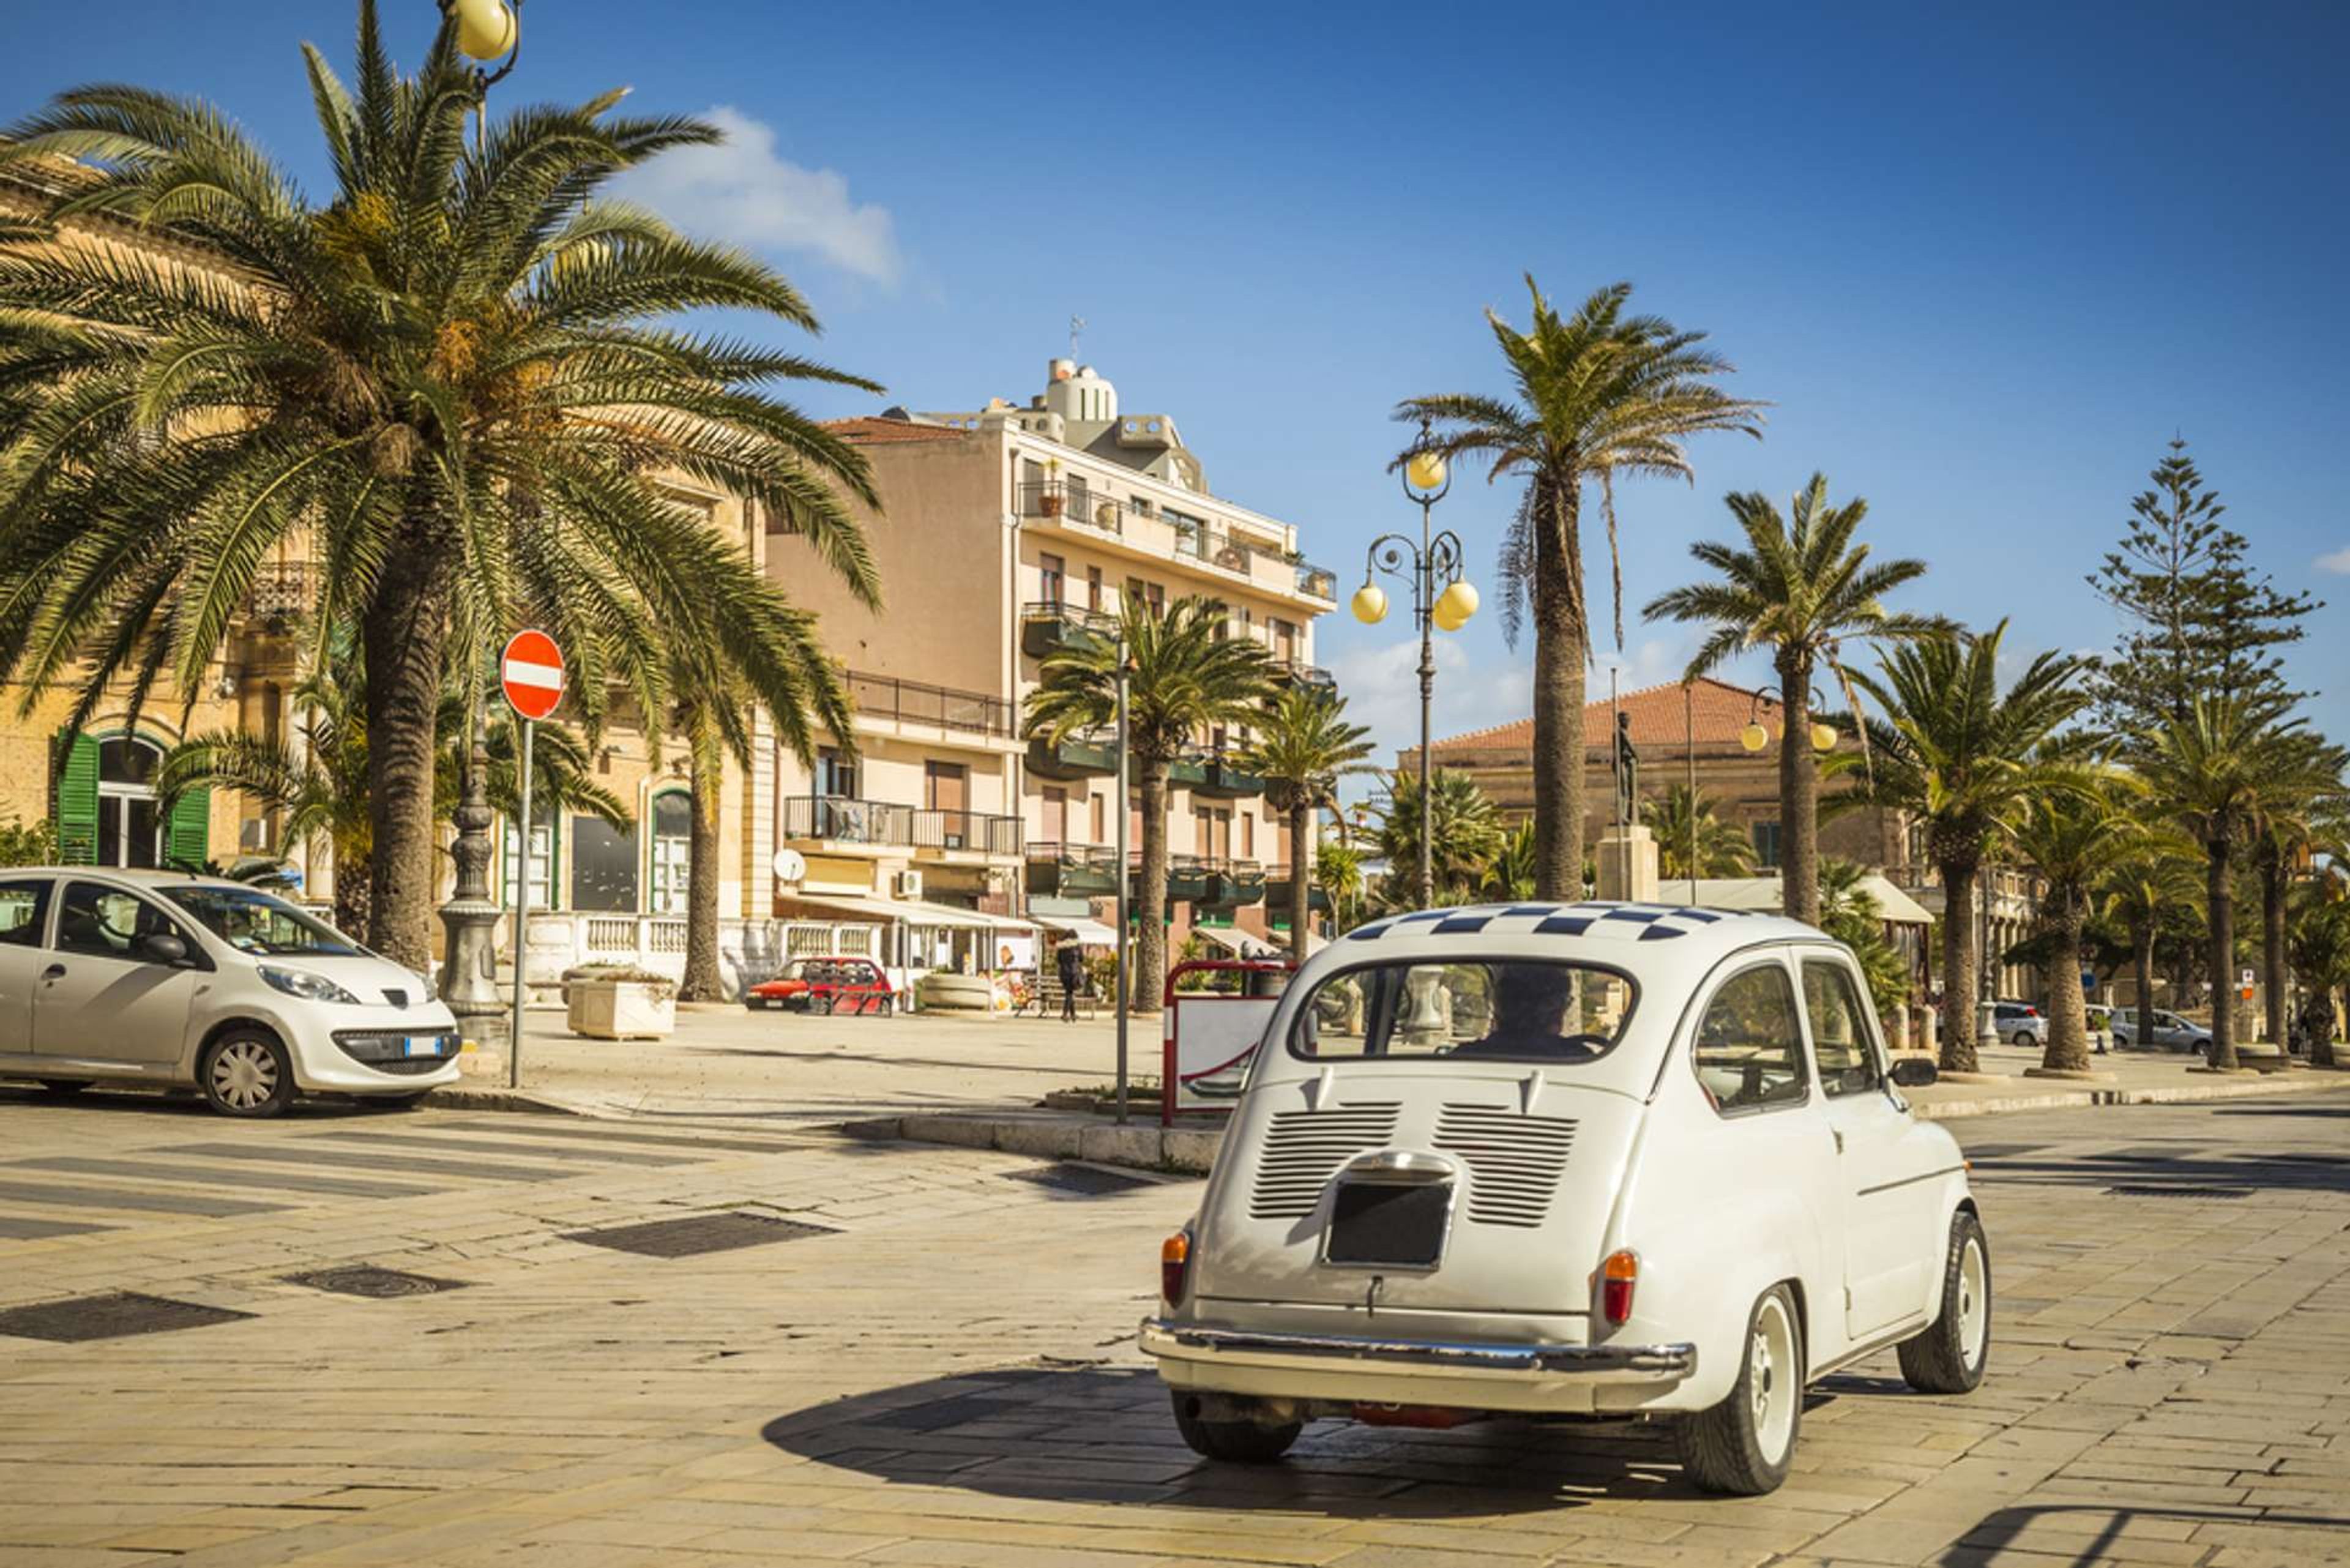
{"type": "Point", "coordinates": [1641, 1362]}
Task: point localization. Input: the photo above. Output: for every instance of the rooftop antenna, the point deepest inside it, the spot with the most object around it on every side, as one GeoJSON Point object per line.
{"type": "Point", "coordinates": [1077, 330]}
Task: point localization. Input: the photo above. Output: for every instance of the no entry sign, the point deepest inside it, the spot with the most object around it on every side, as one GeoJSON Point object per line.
{"type": "Point", "coordinates": [531, 672]}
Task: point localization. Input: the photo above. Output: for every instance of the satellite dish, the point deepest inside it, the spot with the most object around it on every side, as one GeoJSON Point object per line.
{"type": "Point", "coordinates": [790, 865]}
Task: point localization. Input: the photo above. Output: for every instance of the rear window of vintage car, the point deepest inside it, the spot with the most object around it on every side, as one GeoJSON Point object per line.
{"type": "Point", "coordinates": [1494, 1009]}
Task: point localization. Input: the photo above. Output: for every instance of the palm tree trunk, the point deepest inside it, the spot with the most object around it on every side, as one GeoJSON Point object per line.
{"type": "Point", "coordinates": [2142, 955]}
{"type": "Point", "coordinates": [1560, 654]}
{"type": "Point", "coordinates": [352, 876]}
{"type": "Point", "coordinates": [1957, 965]}
{"type": "Point", "coordinates": [1799, 796]}
{"type": "Point", "coordinates": [404, 631]}
{"type": "Point", "coordinates": [2068, 1011]}
{"type": "Point", "coordinates": [702, 981]}
{"type": "Point", "coordinates": [1151, 908]}
{"type": "Point", "coordinates": [2219, 893]}
{"type": "Point", "coordinates": [1300, 882]}
{"type": "Point", "coordinates": [2277, 981]}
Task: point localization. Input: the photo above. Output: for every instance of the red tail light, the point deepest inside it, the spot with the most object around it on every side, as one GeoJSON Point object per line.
{"type": "Point", "coordinates": [1175, 1267]}
{"type": "Point", "coordinates": [1618, 1277]}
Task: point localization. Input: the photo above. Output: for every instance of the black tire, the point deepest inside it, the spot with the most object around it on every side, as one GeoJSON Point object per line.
{"type": "Point", "coordinates": [1727, 1447]}
{"type": "Point", "coordinates": [246, 1073]}
{"type": "Point", "coordinates": [1231, 1442]}
{"type": "Point", "coordinates": [1940, 1360]}
{"type": "Point", "coordinates": [65, 1085]}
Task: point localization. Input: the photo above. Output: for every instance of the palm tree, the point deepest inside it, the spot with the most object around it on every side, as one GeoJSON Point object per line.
{"type": "Point", "coordinates": [2319, 947]}
{"type": "Point", "coordinates": [322, 784]}
{"type": "Point", "coordinates": [1465, 835]}
{"type": "Point", "coordinates": [1723, 849]}
{"type": "Point", "coordinates": [1850, 913]}
{"type": "Point", "coordinates": [1802, 589]}
{"type": "Point", "coordinates": [1962, 758]}
{"type": "Point", "coordinates": [2300, 809]}
{"type": "Point", "coordinates": [452, 384]}
{"type": "Point", "coordinates": [1597, 395]}
{"type": "Point", "coordinates": [1511, 874]}
{"type": "Point", "coordinates": [2145, 886]}
{"type": "Point", "coordinates": [1184, 676]}
{"type": "Point", "coordinates": [2071, 837]}
{"type": "Point", "coordinates": [1302, 748]}
{"type": "Point", "coordinates": [1338, 872]}
{"type": "Point", "coordinates": [2211, 769]}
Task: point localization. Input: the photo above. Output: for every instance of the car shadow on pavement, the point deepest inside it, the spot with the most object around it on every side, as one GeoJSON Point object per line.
{"type": "Point", "coordinates": [2097, 1533]}
{"type": "Point", "coordinates": [2185, 1171]}
{"type": "Point", "coordinates": [137, 1101]}
{"type": "Point", "coordinates": [1103, 1434]}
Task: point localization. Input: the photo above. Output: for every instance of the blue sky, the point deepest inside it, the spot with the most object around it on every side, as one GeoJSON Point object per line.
{"type": "Point", "coordinates": [1984, 263]}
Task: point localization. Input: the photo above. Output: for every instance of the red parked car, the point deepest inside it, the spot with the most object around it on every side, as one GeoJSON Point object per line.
{"type": "Point", "coordinates": [822, 985]}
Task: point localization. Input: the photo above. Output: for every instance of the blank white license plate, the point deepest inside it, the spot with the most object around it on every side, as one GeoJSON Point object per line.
{"type": "Point", "coordinates": [424, 1045]}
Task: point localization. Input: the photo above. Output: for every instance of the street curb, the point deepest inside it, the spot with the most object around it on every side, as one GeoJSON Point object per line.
{"type": "Point", "coordinates": [485, 1098]}
{"type": "Point", "coordinates": [1191, 1151]}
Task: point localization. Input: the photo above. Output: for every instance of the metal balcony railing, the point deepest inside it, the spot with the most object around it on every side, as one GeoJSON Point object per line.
{"type": "Point", "coordinates": [914, 701]}
{"type": "Point", "coordinates": [282, 589]}
{"type": "Point", "coordinates": [841, 819]}
{"type": "Point", "coordinates": [1072, 501]}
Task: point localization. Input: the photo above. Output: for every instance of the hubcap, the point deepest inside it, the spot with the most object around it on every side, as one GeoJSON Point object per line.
{"type": "Point", "coordinates": [1773, 1379]}
{"type": "Point", "coordinates": [244, 1074]}
{"type": "Point", "coordinates": [1974, 1301]}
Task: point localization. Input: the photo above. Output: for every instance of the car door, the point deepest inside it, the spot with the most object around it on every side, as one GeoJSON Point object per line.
{"type": "Point", "coordinates": [98, 997]}
{"type": "Point", "coordinates": [23, 922]}
{"type": "Point", "coordinates": [1884, 1172]}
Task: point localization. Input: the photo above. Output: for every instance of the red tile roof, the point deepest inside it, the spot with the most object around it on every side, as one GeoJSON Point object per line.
{"type": "Point", "coordinates": [871, 430]}
{"type": "Point", "coordinates": [1716, 712]}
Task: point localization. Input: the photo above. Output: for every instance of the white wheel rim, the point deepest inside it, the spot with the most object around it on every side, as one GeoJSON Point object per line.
{"type": "Point", "coordinates": [1774, 1382]}
{"type": "Point", "coordinates": [1974, 1301]}
{"type": "Point", "coordinates": [244, 1074]}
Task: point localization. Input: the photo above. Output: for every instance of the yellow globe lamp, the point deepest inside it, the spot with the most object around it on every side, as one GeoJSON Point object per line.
{"type": "Point", "coordinates": [1370, 604]}
{"type": "Point", "coordinates": [1823, 737]}
{"type": "Point", "coordinates": [1754, 737]}
{"type": "Point", "coordinates": [1443, 618]}
{"type": "Point", "coordinates": [486, 29]}
{"type": "Point", "coordinates": [1455, 605]}
{"type": "Point", "coordinates": [1425, 471]}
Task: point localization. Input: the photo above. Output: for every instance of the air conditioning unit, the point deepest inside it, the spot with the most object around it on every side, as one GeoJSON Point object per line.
{"type": "Point", "coordinates": [906, 884]}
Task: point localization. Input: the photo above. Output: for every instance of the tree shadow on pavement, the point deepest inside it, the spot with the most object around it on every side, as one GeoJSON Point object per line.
{"type": "Point", "coordinates": [1098, 1434]}
{"type": "Point", "coordinates": [138, 1100]}
{"type": "Point", "coordinates": [2097, 1533]}
{"type": "Point", "coordinates": [2158, 1170]}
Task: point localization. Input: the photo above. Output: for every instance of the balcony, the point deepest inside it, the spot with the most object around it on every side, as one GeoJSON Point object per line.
{"type": "Point", "coordinates": [885, 697]}
{"type": "Point", "coordinates": [1079, 755]}
{"type": "Point", "coordinates": [1295, 672]}
{"type": "Point", "coordinates": [282, 591]}
{"type": "Point", "coordinates": [1258, 558]}
{"type": "Point", "coordinates": [1072, 871]}
{"type": "Point", "coordinates": [1232, 884]}
{"type": "Point", "coordinates": [1217, 777]}
{"type": "Point", "coordinates": [1276, 895]}
{"type": "Point", "coordinates": [842, 822]}
{"type": "Point", "coordinates": [1048, 626]}
{"type": "Point", "coordinates": [1073, 500]}
{"type": "Point", "coordinates": [1317, 582]}
{"type": "Point", "coordinates": [1188, 878]}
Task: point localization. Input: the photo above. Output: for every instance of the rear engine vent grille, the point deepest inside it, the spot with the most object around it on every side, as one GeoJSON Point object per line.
{"type": "Point", "coordinates": [1304, 1149]}
{"type": "Point", "coordinates": [1515, 1162]}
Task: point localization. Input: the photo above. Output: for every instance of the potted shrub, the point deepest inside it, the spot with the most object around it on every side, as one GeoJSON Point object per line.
{"type": "Point", "coordinates": [1050, 502]}
{"type": "Point", "coordinates": [617, 1001]}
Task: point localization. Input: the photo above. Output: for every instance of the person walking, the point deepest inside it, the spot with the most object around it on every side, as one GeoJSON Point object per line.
{"type": "Point", "coordinates": [1071, 960]}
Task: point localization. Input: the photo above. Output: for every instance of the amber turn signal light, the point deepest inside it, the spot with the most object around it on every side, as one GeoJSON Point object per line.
{"type": "Point", "coordinates": [1617, 1276]}
{"type": "Point", "coordinates": [1175, 1267]}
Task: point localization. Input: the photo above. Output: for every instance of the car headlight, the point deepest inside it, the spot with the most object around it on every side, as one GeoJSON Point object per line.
{"type": "Point", "coordinates": [308, 986]}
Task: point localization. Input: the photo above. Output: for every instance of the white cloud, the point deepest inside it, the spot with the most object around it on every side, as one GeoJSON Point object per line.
{"type": "Point", "coordinates": [743, 192]}
{"type": "Point", "coordinates": [2339, 561]}
{"type": "Point", "coordinates": [1381, 685]}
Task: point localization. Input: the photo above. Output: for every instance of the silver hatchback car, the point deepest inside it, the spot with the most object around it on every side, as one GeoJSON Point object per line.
{"type": "Point", "coordinates": [156, 976]}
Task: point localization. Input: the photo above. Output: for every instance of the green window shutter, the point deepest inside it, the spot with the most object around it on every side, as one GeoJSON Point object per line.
{"type": "Point", "coordinates": [188, 842]}
{"type": "Point", "coordinates": [77, 803]}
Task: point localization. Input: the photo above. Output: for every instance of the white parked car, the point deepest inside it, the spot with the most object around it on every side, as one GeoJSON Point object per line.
{"type": "Point", "coordinates": [1583, 1160]}
{"type": "Point", "coordinates": [156, 977]}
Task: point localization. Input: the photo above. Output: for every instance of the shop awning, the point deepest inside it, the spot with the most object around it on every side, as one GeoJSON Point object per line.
{"type": "Point", "coordinates": [1240, 944]}
{"type": "Point", "coordinates": [1093, 933]}
{"type": "Point", "coordinates": [910, 911]}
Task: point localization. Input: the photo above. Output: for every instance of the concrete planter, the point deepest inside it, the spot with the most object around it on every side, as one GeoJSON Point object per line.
{"type": "Point", "coordinates": [620, 1008]}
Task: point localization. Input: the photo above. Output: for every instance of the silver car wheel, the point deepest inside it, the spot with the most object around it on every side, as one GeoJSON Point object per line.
{"type": "Point", "coordinates": [1773, 1381]}
{"type": "Point", "coordinates": [1974, 1301]}
{"type": "Point", "coordinates": [244, 1074]}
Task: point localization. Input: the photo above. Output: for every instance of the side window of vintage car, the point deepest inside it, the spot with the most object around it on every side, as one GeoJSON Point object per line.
{"type": "Point", "coordinates": [1521, 1011]}
{"type": "Point", "coordinates": [1749, 1044]}
{"type": "Point", "coordinates": [1841, 1046]}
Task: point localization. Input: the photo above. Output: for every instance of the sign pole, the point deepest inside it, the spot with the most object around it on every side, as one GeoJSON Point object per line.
{"type": "Point", "coordinates": [522, 910]}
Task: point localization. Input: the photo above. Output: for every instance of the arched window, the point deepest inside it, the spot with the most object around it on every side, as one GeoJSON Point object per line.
{"type": "Point", "coordinates": [107, 813]}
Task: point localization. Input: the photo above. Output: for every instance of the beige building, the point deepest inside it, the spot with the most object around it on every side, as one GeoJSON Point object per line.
{"type": "Point", "coordinates": [1006, 531]}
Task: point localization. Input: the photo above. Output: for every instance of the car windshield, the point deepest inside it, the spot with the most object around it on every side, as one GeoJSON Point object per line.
{"type": "Point", "coordinates": [251, 921]}
{"type": "Point", "coordinates": [1473, 1009]}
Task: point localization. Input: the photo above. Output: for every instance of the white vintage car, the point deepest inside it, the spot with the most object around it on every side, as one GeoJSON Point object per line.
{"type": "Point", "coordinates": [1613, 1160]}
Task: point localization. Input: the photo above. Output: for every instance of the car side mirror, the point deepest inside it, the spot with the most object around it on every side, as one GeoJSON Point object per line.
{"type": "Point", "coordinates": [162, 946]}
{"type": "Point", "coordinates": [1915, 1072]}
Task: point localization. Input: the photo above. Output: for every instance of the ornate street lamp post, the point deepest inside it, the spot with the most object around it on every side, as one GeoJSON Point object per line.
{"type": "Point", "coordinates": [1440, 598]}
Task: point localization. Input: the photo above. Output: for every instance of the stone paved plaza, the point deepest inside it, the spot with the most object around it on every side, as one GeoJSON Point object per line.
{"type": "Point", "coordinates": [934, 1364]}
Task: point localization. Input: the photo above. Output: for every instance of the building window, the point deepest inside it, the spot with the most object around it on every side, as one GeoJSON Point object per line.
{"type": "Point", "coordinates": [603, 866]}
{"type": "Point", "coordinates": [1248, 838]}
{"type": "Point", "coordinates": [672, 850]}
{"type": "Point", "coordinates": [946, 790]}
{"type": "Point", "coordinates": [542, 865]}
{"type": "Point", "coordinates": [129, 818]}
{"type": "Point", "coordinates": [1100, 810]}
{"type": "Point", "coordinates": [835, 774]}
{"type": "Point", "coordinates": [1766, 844]}
{"type": "Point", "coordinates": [1057, 814]}
{"type": "Point", "coordinates": [1094, 588]}
{"type": "Point", "coordinates": [1054, 573]}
